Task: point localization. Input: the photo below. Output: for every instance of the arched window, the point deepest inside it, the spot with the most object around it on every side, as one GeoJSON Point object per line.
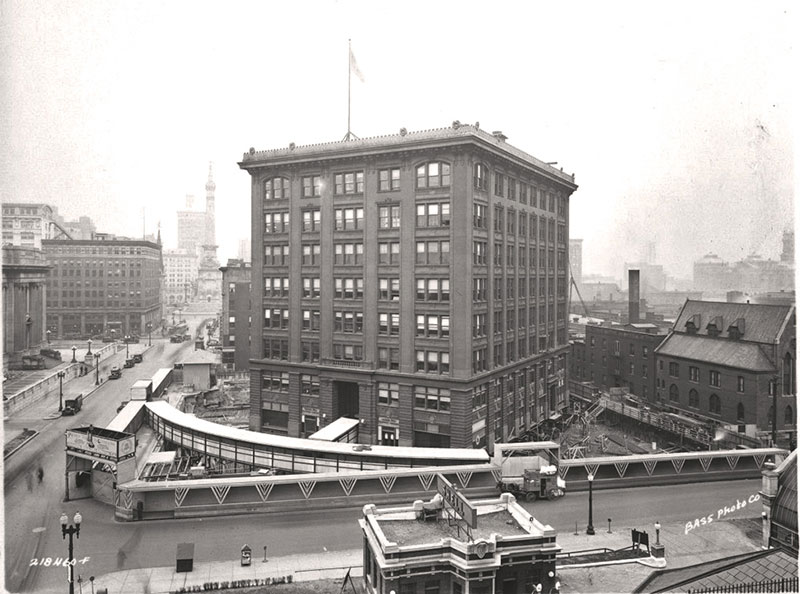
{"type": "Point", "coordinates": [276, 188]}
{"type": "Point", "coordinates": [674, 395]}
{"type": "Point", "coordinates": [788, 415]}
{"type": "Point", "coordinates": [740, 413]}
{"type": "Point", "coordinates": [713, 404]}
{"type": "Point", "coordinates": [481, 176]}
{"type": "Point", "coordinates": [694, 398]}
{"type": "Point", "coordinates": [433, 175]}
{"type": "Point", "coordinates": [788, 374]}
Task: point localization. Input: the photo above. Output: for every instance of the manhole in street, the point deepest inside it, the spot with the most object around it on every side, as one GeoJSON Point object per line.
{"type": "Point", "coordinates": [39, 529]}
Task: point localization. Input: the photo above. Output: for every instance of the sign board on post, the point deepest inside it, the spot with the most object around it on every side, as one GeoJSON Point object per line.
{"type": "Point", "coordinates": [457, 501]}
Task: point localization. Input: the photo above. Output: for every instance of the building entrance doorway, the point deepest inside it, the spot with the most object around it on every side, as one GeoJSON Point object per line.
{"type": "Point", "coordinates": [345, 399]}
{"type": "Point", "coordinates": [388, 436]}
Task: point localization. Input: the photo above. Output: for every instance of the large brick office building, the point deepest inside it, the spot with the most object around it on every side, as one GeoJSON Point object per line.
{"type": "Point", "coordinates": [102, 284]}
{"type": "Point", "coordinates": [722, 361]}
{"type": "Point", "coordinates": [416, 281]}
{"type": "Point", "coordinates": [236, 314]}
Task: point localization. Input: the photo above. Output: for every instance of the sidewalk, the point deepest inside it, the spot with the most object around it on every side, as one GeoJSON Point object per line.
{"type": "Point", "coordinates": [716, 540]}
{"type": "Point", "coordinates": [301, 568]}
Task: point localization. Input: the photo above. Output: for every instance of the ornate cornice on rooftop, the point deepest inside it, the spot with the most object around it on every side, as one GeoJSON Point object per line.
{"type": "Point", "coordinates": [403, 141]}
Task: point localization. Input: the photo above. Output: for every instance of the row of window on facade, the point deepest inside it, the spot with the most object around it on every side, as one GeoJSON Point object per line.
{"type": "Point", "coordinates": [388, 393]}
{"type": "Point", "coordinates": [435, 174]}
{"type": "Point", "coordinates": [431, 252]}
{"type": "Point", "coordinates": [715, 377]}
{"type": "Point", "coordinates": [428, 215]}
{"type": "Point", "coordinates": [427, 360]}
{"type": "Point", "coordinates": [715, 405]}
{"type": "Point", "coordinates": [101, 250]}
{"type": "Point", "coordinates": [617, 350]}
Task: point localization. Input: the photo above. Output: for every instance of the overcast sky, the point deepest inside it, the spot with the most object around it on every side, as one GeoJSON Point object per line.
{"type": "Point", "coordinates": [675, 117]}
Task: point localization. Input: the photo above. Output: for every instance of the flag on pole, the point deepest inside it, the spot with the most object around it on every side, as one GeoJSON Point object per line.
{"type": "Point", "coordinates": [354, 66]}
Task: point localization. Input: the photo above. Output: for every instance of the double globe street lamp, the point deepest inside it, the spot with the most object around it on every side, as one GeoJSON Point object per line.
{"type": "Point", "coordinates": [97, 368]}
{"type": "Point", "coordinates": [68, 529]}
{"type": "Point", "coordinates": [60, 375]}
{"type": "Point", "coordinates": [590, 527]}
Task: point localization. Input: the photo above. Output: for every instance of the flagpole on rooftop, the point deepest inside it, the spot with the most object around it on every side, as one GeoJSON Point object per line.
{"type": "Point", "coordinates": [349, 76]}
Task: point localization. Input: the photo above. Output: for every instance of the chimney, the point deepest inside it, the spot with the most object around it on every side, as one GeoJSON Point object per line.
{"type": "Point", "coordinates": [633, 296]}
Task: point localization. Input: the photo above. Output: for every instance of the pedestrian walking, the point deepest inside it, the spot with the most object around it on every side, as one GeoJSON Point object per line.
{"type": "Point", "coordinates": [40, 474]}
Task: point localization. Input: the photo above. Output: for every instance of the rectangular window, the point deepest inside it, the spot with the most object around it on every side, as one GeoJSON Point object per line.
{"type": "Point", "coordinates": [479, 360]}
{"type": "Point", "coordinates": [389, 217]}
{"type": "Point", "coordinates": [388, 358]}
{"type": "Point", "coordinates": [311, 219]}
{"type": "Point", "coordinates": [389, 289]}
{"type": "Point", "coordinates": [479, 253]}
{"type": "Point", "coordinates": [478, 216]}
{"type": "Point", "coordinates": [311, 287]}
{"type": "Point", "coordinates": [433, 252]}
{"type": "Point", "coordinates": [275, 381]}
{"type": "Point", "coordinates": [694, 374]}
{"type": "Point", "coordinates": [740, 384]}
{"type": "Point", "coordinates": [499, 184]}
{"type": "Point", "coordinates": [309, 384]}
{"type": "Point", "coordinates": [276, 318]}
{"type": "Point", "coordinates": [479, 326]}
{"type": "Point", "coordinates": [433, 326]}
{"type": "Point", "coordinates": [276, 188]}
{"type": "Point", "coordinates": [351, 322]}
{"type": "Point", "coordinates": [348, 183]}
{"type": "Point", "coordinates": [349, 219]}
{"type": "Point", "coordinates": [276, 222]}
{"type": "Point", "coordinates": [348, 352]}
{"type": "Point", "coordinates": [276, 348]}
{"type": "Point", "coordinates": [311, 254]}
{"type": "Point", "coordinates": [348, 288]}
{"type": "Point", "coordinates": [388, 179]}
{"type": "Point", "coordinates": [348, 253]}
{"type": "Point", "coordinates": [433, 362]}
{"type": "Point", "coordinates": [388, 393]}
{"type": "Point", "coordinates": [433, 214]}
{"type": "Point", "coordinates": [276, 254]}
{"type": "Point", "coordinates": [389, 252]}
{"type": "Point", "coordinates": [429, 398]}
{"type": "Point", "coordinates": [310, 351]}
{"type": "Point", "coordinates": [713, 378]}
{"type": "Point", "coordinates": [312, 185]}
{"type": "Point", "coordinates": [276, 286]}
{"type": "Point", "coordinates": [433, 289]}
{"type": "Point", "coordinates": [512, 189]}
{"type": "Point", "coordinates": [389, 324]}
{"type": "Point", "coordinates": [673, 369]}
{"type": "Point", "coordinates": [311, 320]}
{"type": "Point", "coordinates": [479, 289]}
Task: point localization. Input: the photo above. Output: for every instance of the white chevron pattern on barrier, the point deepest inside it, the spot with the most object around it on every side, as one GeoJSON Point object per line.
{"type": "Point", "coordinates": [387, 482]}
{"type": "Point", "coordinates": [264, 489]}
{"type": "Point", "coordinates": [650, 466]}
{"type": "Point", "coordinates": [348, 484]}
{"type": "Point", "coordinates": [759, 459]}
{"type": "Point", "coordinates": [463, 478]}
{"type": "Point", "coordinates": [180, 495]}
{"type": "Point", "coordinates": [677, 464]}
{"type": "Point", "coordinates": [427, 480]}
{"type": "Point", "coordinates": [732, 461]}
{"type": "Point", "coordinates": [705, 463]}
{"type": "Point", "coordinates": [306, 487]}
{"type": "Point", "coordinates": [621, 468]}
{"type": "Point", "coordinates": [220, 492]}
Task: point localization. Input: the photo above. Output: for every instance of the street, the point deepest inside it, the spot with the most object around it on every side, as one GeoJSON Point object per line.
{"type": "Point", "coordinates": [33, 507]}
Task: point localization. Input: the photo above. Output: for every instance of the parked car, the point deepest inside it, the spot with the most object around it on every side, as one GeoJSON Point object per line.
{"type": "Point", "coordinates": [72, 405]}
{"type": "Point", "coordinates": [137, 357]}
{"type": "Point", "coordinates": [116, 372]}
{"type": "Point", "coordinates": [52, 353]}
{"type": "Point", "coordinates": [130, 339]}
{"type": "Point", "coordinates": [129, 363]}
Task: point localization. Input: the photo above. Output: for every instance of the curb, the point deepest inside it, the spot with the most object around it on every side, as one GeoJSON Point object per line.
{"type": "Point", "coordinates": [19, 447]}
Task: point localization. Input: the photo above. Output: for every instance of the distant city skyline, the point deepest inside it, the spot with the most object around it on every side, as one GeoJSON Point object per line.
{"type": "Point", "coordinates": [678, 134]}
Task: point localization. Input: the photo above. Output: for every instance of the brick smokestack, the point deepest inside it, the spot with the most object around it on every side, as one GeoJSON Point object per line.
{"type": "Point", "coordinates": [633, 296]}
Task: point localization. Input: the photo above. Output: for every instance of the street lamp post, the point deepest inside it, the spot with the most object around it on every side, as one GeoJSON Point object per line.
{"type": "Point", "coordinates": [74, 360]}
{"type": "Point", "coordinates": [97, 368]}
{"type": "Point", "coordinates": [149, 332]}
{"type": "Point", "coordinates": [127, 340]}
{"type": "Point", "coordinates": [70, 530]}
{"type": "Point", "coordinates": [61, 375]}
{"type": "Point", "coordinates": [590, 527]}
{"type": "Point", "coordinates": [48, 336]}
{"type": "Point", "coordinates": [658, 532]}
{"type": "Point", "coordinates": [89, 342]}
